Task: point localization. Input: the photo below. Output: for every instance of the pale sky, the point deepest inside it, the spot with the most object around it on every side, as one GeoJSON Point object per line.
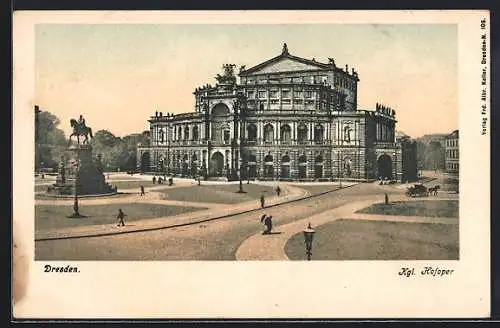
{"type": "Point", "coordinates": [118, 75]}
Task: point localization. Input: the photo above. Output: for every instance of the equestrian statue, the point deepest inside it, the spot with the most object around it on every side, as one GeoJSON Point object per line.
{"type": "Point", "coordinates": [80, 129]}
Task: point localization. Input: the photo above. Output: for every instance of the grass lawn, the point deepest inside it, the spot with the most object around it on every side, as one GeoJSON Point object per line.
{"type": "Point", "coordinates": [54, 216]}
{"type": "Point", "coordinates": [432, 208]}
{"type": "Point", "coordinates": [39, 188]}
{"type": "Point", "coordinates": [344, 240]}
{"type": "Point", "coordinates": [132, 184]}
{"type": "Point", "coordinates": [317, 189]}
{"type": "Point", "coordinates": [451, 181]}
{"type": "Point", "coordinates": [223, 194]}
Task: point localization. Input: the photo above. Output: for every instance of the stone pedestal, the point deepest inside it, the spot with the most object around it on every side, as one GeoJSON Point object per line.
{"type": "Point", "coordinates": [88, 174]}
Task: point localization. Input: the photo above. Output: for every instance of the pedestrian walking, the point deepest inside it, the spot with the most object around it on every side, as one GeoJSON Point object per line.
{"type": "Point", "coordinates": [262, 201]}
{"type": "Point", "coordinates": [386, 199]}
{"type": "Point", "coordinates": [268, 222]}
{"type": "Point", "coordinates": [142, 190]}
{"type": "Point", "coordinates": [154, 180]}
{"type": "Point", "coordinates": [278, 191]}
{"type": "Point", "coordinates": [120, 216]}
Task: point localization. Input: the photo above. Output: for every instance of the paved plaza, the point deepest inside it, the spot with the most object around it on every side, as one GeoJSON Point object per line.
{"type": "Point", "coordinates": [214, 222]}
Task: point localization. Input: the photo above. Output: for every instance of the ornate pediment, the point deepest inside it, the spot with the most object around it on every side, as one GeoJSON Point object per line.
{"type": "Point", "coordinates": [284, 65]}
{"type": "Point", "coordinates": [285, 62]}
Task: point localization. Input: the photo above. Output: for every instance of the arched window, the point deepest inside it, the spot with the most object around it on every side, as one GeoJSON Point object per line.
{"type": "Point", "coordinates": [318, 133]}
{"type": "Point", "coordinates": [286, 133]}
{"type": "Point", "coordinates": [162, 136]}
{"type": "Point", "coordinates": [195, 133]}
{"type": "Point", "coordinates": [186, 133]}
{"type": "Point", "coordinates": [179, 133]}
{"type": "Point", "coordinates": [302, 133]}
{"type": "Point", "coordinates": [252, 132]}
{"type": "Point", "coordinates": [268, 133]}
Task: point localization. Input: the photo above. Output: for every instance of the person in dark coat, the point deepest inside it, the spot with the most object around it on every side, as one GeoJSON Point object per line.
{"type": "Point", "coordinates": [142, 190]}
{"type": "Point", "coordinates": [120, 216]}
{"type": "Point", "coordinates": [154, 180]}
{"type": "Point", "coordinates": [268, 222]}
{"type": "Point", "coordinates": [278, 191]}
{"type": "Point", "coordinates": [262, 201]}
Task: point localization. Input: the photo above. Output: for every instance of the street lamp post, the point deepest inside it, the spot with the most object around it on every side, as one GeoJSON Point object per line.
{"type": "Point", "coordinates": [76, 212]}
{"type": "Point", "coordinates": [308, 238]}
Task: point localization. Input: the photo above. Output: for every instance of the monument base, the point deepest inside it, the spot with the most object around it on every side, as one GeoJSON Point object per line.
{"type": "Point", "coordinates": [88, 174]}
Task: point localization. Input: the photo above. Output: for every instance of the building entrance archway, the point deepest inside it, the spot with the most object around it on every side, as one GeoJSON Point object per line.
{"type": "Point", "coordinates": [318, 167]}
{"type": "Point", "coordinates": [285, 167]}
{"type": "Point", "coordinates": [384, 167]}
{"type": "Point", "coordinates": [268, 167]}
{"type": "Point", "coordinates": [302, 167]}
{"type": "Point", "coordinates": [185, 165]}
{"type": "Point", "coordinates": [217, 166]}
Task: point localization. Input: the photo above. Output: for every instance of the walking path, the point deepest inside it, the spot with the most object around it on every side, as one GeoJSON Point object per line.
{"type": "Point", "coordinates": [272, 247]}
{"type": "Point", "coordinates": [214, 211]}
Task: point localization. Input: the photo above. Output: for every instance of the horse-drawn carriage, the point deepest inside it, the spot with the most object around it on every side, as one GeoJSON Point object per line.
{"type": "Point", "coordinates": [417, 190]}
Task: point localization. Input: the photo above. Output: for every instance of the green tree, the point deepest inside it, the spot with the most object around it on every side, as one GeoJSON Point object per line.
{"type": "Point", "coordinates": [422, 161]}
{"type": "Point", "coordinates": [436, 154]}
{"type": "Point", "coordinates": [118, 153]}
{"type": "Point", "coordinates": [51, 143]}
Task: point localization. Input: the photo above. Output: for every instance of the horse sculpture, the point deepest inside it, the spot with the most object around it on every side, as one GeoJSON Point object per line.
{"type": "Point", "coordinates": [79, 130]}
{"type": "Point", "coordinates": [434, 190]}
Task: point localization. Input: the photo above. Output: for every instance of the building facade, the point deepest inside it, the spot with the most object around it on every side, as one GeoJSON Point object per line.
{"type": "Point", "coordinates": [288, 118]}
{"type": "Point", "coordinates": [452, 153]}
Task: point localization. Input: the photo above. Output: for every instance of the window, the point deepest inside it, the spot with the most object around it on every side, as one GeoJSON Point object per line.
{"type": "Point", "coordinates": [298, 101]}
{"type": "Point", "coordinates": [285, 94]}
{"type": "Point", "coordinates": [298, 94]}
{"type": "Point", "coordinates": [268, 133]}
{"type": "Point", "coordinates": [318, 133]}
{"type": "Point", "coordinates": [274, 101]}
{"type": "Point", "coordinates": [274, 94]}
{"type": "Point", "coordinates": [286, 101]}
{"type": "Point", "coordinates": [262, 94]}
{"type": "Point", "coordinates": [308, 94]}
{"type": "Point", "coordinates": [286, 133]}
{"type": "Point", "coordinates": [302, 133]}
{"type": "Point", "coordinates": [186, 133]}
{"type": "Point", "coordinates": [162, 135]}
{"type": "Point", "coordinates": [195, 133]}
{"type": "Point", "coordinates": [252, 132]}
{"type": "Point", "coordinates": [226, 136]}
{"type": "Point", "coordinates": [251, 94]}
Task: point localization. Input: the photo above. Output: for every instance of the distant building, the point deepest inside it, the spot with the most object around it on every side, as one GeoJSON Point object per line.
{"type": "Point", "coordinates": [452, 154]}
{"type": "Point", "coordinates": [288, 118]}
